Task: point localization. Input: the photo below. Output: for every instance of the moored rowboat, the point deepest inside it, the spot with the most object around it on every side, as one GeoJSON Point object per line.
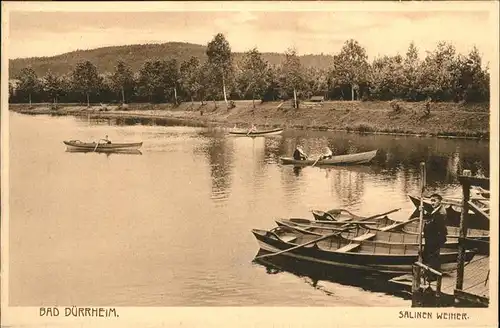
{"type": "Point", "coordinates": [348, 159]}
{"type": "Point", "coordinates": [337, 251]}
{"type": "Point", "coordinates": [93, 146]}
{"type": "Point", "coordinates": [257, 133]}
{"type": "Point", "coordinates": [354, 231]}
{"type": "Point", "coordinates": [453, 213]}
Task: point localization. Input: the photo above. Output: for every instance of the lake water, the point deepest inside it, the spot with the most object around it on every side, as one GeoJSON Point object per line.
{"type": "Point", "coordinates": [171, 226]}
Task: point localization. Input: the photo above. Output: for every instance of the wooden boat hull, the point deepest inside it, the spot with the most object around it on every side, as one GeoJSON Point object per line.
{"type": "Point", "coordinates": [348, 159]}
{"type": "Point", "coordinates": [410, 228]}
{"type": "Point", "coordinates": [256, 133]}
{"type": "Point", "coordinates": [92, 146]}
{"type": "Point", "coordinates": [386, 263]}
{"type": "Point", "coordinates": [452, 215]}
{"type": "Point", "coordinates": [383, 237]}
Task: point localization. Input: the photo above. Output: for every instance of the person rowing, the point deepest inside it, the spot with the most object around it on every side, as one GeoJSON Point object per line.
{"type": "Point", "coordinates": [327, 154]}
{"type": "Point", "coordinates": [299, 154]}
{"type": "Point", "coordinates": [106, 140]}
{"type": "Point", "coordinates": [252, 129]}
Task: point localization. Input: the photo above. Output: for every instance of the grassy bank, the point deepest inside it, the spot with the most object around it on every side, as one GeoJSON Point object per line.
{"type": "Point", "coordinates": [445, 119]}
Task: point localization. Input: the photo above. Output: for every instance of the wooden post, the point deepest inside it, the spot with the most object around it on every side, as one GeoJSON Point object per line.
{"type": "Point", "coordinates": [415, 288]}
{"type": "Point", "coordinates": [463, 232]}
{"type": "Point", "coordinates": [421, 209]}
{"type": "Point", "coordinates": [438, 290]}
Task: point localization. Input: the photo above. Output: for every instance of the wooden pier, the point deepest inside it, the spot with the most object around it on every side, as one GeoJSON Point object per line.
{"type": "Point", "coordinates": [468, 285]}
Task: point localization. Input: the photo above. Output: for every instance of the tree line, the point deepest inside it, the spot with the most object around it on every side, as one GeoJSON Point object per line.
{"type": "Point", "coordinates": [443, 75]}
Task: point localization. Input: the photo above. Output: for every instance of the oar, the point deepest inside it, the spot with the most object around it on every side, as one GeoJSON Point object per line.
{"type": "Point", "coordinates": [96, 146]}
{"type": "Point", "coordinates": [298, 246]}
{"type": "Point", "coordinates": [398, 225]}
{"type": "Point", "coordinates": [375, 216]}
{"type": "Point", "coordinates": [316, 161]}
{"type": "Point", "coordinates": [360, 218]}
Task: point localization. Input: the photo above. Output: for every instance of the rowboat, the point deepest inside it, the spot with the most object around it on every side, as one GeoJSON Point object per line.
{"type": "Point", "coordinates": [93, 146]}
{"type": "Point", "coordinates": [453, 213]}
{"type": "Point", "coordinates": [385, 223]}
{"type": "Point", "coordinates": [354, 231]}
{"type": "Point", "coordinates": [107, 151]}
{"type": "Point", "coordinates": [348, 159]}
{"type": "Point", "coordinates": [257, 133]}
{"type": "Point", "coordinates": [335, 215]}
{"type": "Point", "coordinates": [336, 251]}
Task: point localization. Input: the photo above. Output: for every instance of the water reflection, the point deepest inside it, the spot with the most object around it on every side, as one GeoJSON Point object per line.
{"type": "Point", "coordinates": [348, 184]}
{"type": "Point", "coordinates": [131, 121]}
{"type": "Point", "coordinates": [220, 156]}
{"type": "Point", "coordinates": [323, 278]}
{"type": "Point", "coordinates": [107, 152]}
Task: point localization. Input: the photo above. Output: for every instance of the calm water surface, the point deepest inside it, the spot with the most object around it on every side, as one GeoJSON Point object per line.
{"type": "Point", "coordinates": [171, 226]}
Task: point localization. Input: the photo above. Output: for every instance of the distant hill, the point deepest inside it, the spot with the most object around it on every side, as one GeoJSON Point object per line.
{"type": "Point", "coordinates": [135, 55]}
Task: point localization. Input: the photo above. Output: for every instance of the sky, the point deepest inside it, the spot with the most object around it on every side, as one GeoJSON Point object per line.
{"type": "Point", "coordinates": [48, 33]}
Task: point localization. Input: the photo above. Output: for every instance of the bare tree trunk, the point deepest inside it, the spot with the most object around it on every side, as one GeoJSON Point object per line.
{"type": "Point", "coordinates": [30, 98]}
{"type": "Point", "coordinates": [224, 89]}
{"type": "Point", "coordinates": [123, 95]}
{"type": "Point", "coordinates": [295, 98]}
{"type": "Point", "coordinates": [88, 100]}
{"type": "Point", "coordinates": [352, 92]}
{"type": "Point", "coordinates": [253, 100]}
{"type": "Point", "coordinates": [192, 101]}
{"type": "Point", "coordinates": [175, 95]}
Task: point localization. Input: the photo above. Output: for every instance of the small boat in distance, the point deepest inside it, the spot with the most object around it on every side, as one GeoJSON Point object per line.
{"type": "Point", "coordinates": [348, 159]}
{"type": "Point", "coordinates": [101, 146]}
{"type": "Point", "coordinates": [257, 133]}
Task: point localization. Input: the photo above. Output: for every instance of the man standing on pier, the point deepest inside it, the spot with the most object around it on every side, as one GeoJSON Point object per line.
{"type": "Point", "coordinates": [434, 233]}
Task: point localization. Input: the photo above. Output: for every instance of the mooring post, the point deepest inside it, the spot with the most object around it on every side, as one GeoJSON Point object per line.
{"type": "Point", "coordinates": [463, 231]}
{"type": "Point", "coordinates": [415, 288]}
{"type": "Point", "coordinates": [438, 290]}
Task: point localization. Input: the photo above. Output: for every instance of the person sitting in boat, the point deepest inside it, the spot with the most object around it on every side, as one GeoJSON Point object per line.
{"type": "Point", "coordinates": [106, 140]}
{"type": "Point", "coordinates": [299, 154]}
{"type": "Point", "coordinates": [434, 234]}
{"type": "Point", "coordinates": [327, 154]}
{"type": "Point", "coordinates": [252, 129]}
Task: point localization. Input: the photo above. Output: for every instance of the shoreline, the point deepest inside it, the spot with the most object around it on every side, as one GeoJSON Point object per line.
{"type": "Point", "coordinates": [446, 120]}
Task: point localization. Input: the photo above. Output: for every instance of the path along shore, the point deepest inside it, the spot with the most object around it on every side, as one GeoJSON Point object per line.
{"type": "Point", "coordinates": [445, 119]}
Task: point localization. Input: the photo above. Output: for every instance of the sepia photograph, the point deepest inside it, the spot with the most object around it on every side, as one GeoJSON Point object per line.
{"type": "Point", "coordinates": [260, 164]}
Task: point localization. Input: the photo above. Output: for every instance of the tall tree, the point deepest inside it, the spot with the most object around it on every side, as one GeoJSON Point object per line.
{"type": "Point", "coordinates": [151, 80]}
{"type": "Point", "coordinates": [190, 77]}
{"type": "Point", "coordinates": [439, 73]}
{"type": "Point", "coordinates": [219, 57]}
{"type": "Point", "coordinates": [52, 85]}
{"type": "Point", "coordinates": [28, 81]}
{"type": "Point", "coordinates": [171, 77]}
{"type": "Point", "coordinates": [387, 78]}
{"type": "Point", "coordinates": [254, 74]}
{"type": "Point", "coordinates": [292, 75]}
{"type": "Point", "coordinates": [350, 66]}
{"type": "Point", "coordinates": [210, 87]}
{"type": "Point", "coordinates": [122, 79]}
{"type": "Point", "coordinates": [86, 79]}
{"type": "Point", "coordinates": [474, 80]}
{"type": "Point", "coordinates": [411, 66]}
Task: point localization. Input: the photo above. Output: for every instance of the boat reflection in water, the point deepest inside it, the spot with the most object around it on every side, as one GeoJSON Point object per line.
{"type": "Point", "coordinates": [107, 151]}
{"type": "Point", "coordinates": [315, 273]}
